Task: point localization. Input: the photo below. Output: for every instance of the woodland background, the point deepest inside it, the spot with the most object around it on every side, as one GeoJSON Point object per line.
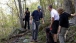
{"type": "Point", "coordinates": [11, 17]}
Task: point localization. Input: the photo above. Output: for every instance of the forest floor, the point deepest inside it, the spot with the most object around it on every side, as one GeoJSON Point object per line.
{"type": "Point", "coordinates": [23, 39]}
{"type": "Point", "coordinates": [71, 37]}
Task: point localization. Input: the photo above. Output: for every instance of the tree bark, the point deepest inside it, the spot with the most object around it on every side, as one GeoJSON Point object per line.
{"type": "Point", "coordinates": [75, 5]}
{"type": "Point", "coordinates": [16, 8]}
{"type": "Point", "coordinates": [75, 11]}
{"type": "Point", "coordinates": [21, 14]}
{"type": "Point", "coordinates": [68, 6]}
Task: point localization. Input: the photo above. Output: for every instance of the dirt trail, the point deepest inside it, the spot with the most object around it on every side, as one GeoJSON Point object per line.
{"type": "Point", "coordinates": [23, 39]}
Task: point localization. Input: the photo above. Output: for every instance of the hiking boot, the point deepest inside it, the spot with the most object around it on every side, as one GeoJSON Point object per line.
{"type": "Point", "coordinates": [32, 40]}
{"type": "Point", "coordinates": [36, 41]}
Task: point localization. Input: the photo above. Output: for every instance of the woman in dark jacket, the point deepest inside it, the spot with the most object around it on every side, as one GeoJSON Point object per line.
{"type": "Point", "coordinates": [27, 17]}
{"type": "Point", "coordinates": [64, 24]}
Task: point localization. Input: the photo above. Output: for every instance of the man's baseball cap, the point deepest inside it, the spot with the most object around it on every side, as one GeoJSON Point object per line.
{"type": "Point", "coordinates": [39, 7]}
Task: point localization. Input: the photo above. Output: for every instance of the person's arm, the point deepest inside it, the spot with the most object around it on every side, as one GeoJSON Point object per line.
{"type": "Point", "coordinates": [60, 23]}
{"type": "Point", "coordinates": [31, 17]}
{"type": "Point", "coordinates": [52, 18]}
{"type": "Point", "coordinates": [69, 15]}
{"type": "Point", "coordinates": [73, 14]}
{"type": "Point", "coordinates": [42, 18]}
{"type": "Point", "coordinates": [59, 29]}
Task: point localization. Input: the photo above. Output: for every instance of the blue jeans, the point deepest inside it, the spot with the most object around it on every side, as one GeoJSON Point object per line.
{"type": "Point", "coordinates": [35, 26]}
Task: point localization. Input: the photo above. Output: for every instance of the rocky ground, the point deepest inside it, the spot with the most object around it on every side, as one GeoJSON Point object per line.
{"type": "Point", "coordinates": [23, 39]}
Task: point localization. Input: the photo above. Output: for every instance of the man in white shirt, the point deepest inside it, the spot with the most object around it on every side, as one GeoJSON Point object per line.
{"type": "Point", "coordinates": [54, 22]}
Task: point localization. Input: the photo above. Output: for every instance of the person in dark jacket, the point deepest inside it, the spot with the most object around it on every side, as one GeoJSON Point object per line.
{"type": "Point", "coordinates": [36, 16]}
{"type": "Point", "coordinates": [27, 17]}
{"type": "Point", "coordinates": [49, 37]}
{"type": "Point", "coordinates": [63, 24]}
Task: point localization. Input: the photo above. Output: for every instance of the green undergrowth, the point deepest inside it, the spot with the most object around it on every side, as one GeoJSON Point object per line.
{"type": "Point", "coordinates": [72, 33]}
{"type": "Point", "coordinates": [42, 34]}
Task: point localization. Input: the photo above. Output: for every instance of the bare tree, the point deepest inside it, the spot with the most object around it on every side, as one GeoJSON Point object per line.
{"type": "Point", "coordinates": [21, 14]}
{"type": "Point", "coordinates": [16, 7]}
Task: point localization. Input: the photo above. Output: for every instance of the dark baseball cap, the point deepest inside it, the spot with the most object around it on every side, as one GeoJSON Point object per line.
{"type": "Point", "coordinates": [39, 7]}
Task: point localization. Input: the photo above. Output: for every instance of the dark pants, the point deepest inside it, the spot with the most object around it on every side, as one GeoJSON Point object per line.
{"type": "Point", "coordinates": [55, 26]}
{"type": "Point", "coordinates": [49, 36]}
{"type": "Point", "coordinates": [35, 26]}
{"type": "Point", "coordinates": [27, 22]}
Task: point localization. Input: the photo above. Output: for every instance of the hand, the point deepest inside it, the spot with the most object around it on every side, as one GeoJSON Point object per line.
{"type": "Point", "coordinates": [30, 21]}
{"type": "Point", "coordinates": [43, 22]}
{"type": "Point", "coordinates": [75, 14]}
{"type": "Point", "coordinates": [58, 31]}
{"type": "Point", "coordinates": [50, 26]}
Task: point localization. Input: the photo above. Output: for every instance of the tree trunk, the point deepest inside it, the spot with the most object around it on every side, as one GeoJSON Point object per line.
{"type": "Point", "coordinates": [25, 4]}
{"type": "Point", "coordinates": [75, 5]}
{"type": "Point", "coordinates": [75, 11]}
{"type": "Point", "coordinates": [24, 7]}
{"type": "Point", "coordinates": [16, 8]}
{"type": "Point", "coordinates": [68, 6]}
{"type": "Point", "coordinates": [21, 14]}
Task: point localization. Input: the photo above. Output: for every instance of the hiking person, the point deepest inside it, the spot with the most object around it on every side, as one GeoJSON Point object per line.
{"type": "Point", "coordinates": [54, 22]}
{"type": "Point", "coordinates": [49, 37]}
{"type": "Point", "coordinates": [36, 16]}
{"type": "Point", "coordinates": [63, 24]}
{"type": "Point", "coordinates": [27, 17]}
